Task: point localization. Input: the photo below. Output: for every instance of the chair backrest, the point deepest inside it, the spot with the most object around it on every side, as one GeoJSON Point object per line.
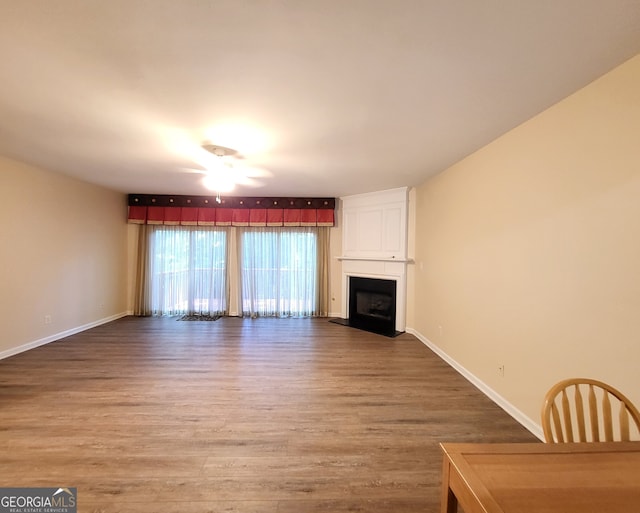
{"type": "Point", "coordinates": [587, 410]}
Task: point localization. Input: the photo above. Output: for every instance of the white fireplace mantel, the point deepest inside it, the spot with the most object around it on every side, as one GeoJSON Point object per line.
{"type": "Point", "coordinates": [375, 259]}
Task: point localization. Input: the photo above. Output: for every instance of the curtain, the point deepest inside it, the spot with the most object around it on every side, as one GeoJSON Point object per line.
{"type": "Point", "coordinates": [186, 270]}
{"type": "Point", "coordinates": [142, 298]}
{"type": "Point", "coordinates": [181, 210]}
{"type": "Point", "coordinates": [279, 271]}
{"type": "Point", "coordinates": [323, 261]}
{"type": "Point", "coordinates": [242, 271]}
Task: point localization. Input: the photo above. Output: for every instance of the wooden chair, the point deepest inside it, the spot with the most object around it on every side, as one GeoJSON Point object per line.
{"type": "Point", "coordinates": [584, 410]}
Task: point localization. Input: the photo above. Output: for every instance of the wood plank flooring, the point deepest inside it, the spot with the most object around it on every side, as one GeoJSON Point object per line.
{"type": "Point", "coordinates": [238, 415]}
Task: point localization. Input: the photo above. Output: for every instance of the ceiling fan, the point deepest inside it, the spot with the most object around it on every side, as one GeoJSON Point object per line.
{"type": "Point", "coordinates": [224, 168]}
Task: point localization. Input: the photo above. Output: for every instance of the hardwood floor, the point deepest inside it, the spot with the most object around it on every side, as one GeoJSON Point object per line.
{"type": "Point", "coordinates": [266, 415]}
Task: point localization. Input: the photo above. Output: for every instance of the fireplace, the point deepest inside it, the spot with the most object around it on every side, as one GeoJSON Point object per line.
{"type": "Point", "coordinates": [372, 305]}
{"type": "Point", "coordinates": [375, 259]}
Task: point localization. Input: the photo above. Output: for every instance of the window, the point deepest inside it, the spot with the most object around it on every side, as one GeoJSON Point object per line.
{"type": "Point", "coordinates": [279, 272]}
{"type": "Point", "coordinates": [187, 268]}
{"type": "Point", "coordinates": [246, 271]}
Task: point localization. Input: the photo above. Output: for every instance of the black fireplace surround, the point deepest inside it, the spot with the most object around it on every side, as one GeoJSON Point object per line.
{"type": "Point", "coordinates": [372, 305]}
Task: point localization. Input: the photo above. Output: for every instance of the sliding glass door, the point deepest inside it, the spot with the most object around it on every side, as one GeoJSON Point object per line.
{"type": "Point", "coordinates": [278, 272]}
{"type": "Point", "coordinates": [187, 269]}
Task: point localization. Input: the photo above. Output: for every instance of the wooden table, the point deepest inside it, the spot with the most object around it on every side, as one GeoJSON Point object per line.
{"type": "Point", "coordinates": [538, 477]}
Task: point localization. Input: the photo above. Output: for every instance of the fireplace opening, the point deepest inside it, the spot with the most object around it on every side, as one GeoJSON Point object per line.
{"type": "Point", "coordinates": [372, 305]}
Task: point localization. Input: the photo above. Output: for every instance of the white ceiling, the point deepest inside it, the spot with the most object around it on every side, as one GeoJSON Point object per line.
{"type": "Point", "coordinates": [332, 97]}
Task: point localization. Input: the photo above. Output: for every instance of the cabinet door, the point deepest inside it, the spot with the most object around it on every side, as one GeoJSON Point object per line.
{"type": "Point", "coordinates": [375, 225]}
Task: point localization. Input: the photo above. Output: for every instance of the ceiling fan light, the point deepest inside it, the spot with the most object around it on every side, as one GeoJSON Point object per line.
{"type": "Point", "coordinates": [218, 183]}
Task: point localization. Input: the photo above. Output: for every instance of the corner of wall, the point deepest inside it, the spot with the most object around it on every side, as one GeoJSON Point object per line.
{"type": "Point", "coordinates": [519, 416]}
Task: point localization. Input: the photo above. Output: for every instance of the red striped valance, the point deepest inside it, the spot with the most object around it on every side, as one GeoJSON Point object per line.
{"type": "Point", "coordinates": [198, 211]}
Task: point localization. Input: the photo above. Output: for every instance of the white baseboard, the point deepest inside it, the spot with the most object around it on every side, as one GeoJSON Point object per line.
{"type": "Point", "coordinates": [57, 336]}
{"type": "Point", "coordinates": [524, 420]}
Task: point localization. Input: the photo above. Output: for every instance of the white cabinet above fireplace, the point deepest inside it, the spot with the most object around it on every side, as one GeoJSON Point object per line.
{"type": "Point", "coordinates": [375, 225]}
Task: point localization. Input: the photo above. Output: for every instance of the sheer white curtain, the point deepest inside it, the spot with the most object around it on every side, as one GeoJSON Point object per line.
{"type": "Point", "coordinates": [187, 270]}
{"type": "Point", "coordinates": [278, 271]}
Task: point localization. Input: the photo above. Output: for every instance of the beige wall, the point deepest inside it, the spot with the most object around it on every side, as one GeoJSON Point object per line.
{"type": "Point", "coordinates": [528, 251]}
{"type": "Point", "coordinates": [64, 251]}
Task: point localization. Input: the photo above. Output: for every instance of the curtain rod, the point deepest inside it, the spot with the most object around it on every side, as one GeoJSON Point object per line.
{"type": "Point", "coordinates": [237, 202]}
